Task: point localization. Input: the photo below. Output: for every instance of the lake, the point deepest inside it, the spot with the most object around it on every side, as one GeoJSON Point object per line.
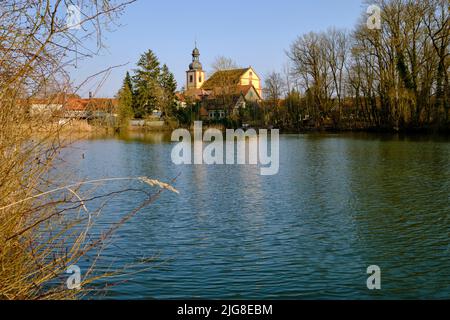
{"type": "Point", "coordinates": [339, 204]}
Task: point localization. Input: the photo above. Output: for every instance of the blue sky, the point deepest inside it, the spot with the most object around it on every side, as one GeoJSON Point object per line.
{"type": "Point", "coordinates": [251, 32]}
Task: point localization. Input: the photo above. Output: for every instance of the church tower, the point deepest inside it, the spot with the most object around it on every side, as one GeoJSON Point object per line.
{"type": "Point", "coordinates": [195, 76]}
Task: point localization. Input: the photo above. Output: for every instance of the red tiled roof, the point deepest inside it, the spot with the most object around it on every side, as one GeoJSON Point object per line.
{"type": "Point", "coordinates": [90, 104]}
{"type": "Point", "coordinates": [76, 105]}
{"type": "Point", "coordinates": [203, 112]}
{"type": "Point", "coordinates": [196, 94]}
{"type": "Point", "coordinates": [245, 89]}
{"type": "Point", "coordinates": [58, 98]}
{"type": "Point", "coordinates": [180, 97]}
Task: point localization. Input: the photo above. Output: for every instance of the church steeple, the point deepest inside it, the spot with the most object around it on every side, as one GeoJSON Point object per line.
{"type": "Point", "coordinates": [195, 65]}
{"type": "Point", "coordinates": [195, 74]}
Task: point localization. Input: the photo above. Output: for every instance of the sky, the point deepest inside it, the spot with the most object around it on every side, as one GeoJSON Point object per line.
{"type": "Point", "coordinates": [252, 33]}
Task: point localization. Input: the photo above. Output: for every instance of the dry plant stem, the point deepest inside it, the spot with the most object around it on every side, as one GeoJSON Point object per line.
{"type": "Point", "coordinates": [78, 184]}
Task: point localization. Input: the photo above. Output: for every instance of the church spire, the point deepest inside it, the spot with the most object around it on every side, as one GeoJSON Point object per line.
{"type": "Point", "coordinates": [195, 65]}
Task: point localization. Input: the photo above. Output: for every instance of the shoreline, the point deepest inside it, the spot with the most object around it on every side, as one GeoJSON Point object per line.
{"type": "Point", "coordinates": [82, 127]}
{"type": "Point", "coordinates": [405, 131]}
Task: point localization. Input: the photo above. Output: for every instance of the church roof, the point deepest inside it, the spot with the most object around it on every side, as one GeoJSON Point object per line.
{"type": "Point", "coordinates": [195, 65]}
{"type": "Point", "coordinates": [224, 77]}
{"type": "Point", "coordinates": [196, 94]}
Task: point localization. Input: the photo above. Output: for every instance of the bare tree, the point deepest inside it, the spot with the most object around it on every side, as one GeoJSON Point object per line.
{"type": "Point", "coordinates": [396, 76]}
{"type": "Point", "coordinates": [436, 20]}
{"type": "Point", "coordinates": [274, 87]}
{"type": "Point", "coordinates": [337, 47]}
{"type": "Point", "coordinates": [223, 63]}
{"type": "Point", "coordinates": [274, 90]}
{"type": "Point", "coordinates": [310, 65]}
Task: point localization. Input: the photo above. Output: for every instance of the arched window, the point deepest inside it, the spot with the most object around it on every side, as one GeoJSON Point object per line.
{"type": "Point", "coordinates": [191, 78]}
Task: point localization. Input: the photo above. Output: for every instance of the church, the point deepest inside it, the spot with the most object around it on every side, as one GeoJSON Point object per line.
{"type": "Point", "coordinates": [224, 93]}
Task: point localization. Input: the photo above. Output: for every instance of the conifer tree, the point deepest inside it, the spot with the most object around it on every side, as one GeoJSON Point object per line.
{"type": "Point", "coordinates": [169, 87]}
{"type": "Point", "coordinates": [125, 97]}
{"type": "Point", "coordinates": [147, 89]}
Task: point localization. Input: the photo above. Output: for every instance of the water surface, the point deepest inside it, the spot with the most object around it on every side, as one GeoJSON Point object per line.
{"type": "Point", "coordinates": [339, 204]}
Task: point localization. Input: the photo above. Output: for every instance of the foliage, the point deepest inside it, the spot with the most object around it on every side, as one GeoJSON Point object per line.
{"type": "Point", "coordinates": [147, 90]}
{"type": "Point", "coordinates": [125, 100]}
{"type": "Point", "coordinates": [152, 87]}
{"type": "Point", "coordinates": [392, 78]}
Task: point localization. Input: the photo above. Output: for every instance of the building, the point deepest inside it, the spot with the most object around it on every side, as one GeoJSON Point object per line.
{"type": "Point", "coordinates": [219, 105]}
{"type": "Point", "coordinates": [92, 108]}
{"type": "Point", "coordinates": [40, 107]}
{"type": "Point", "coordinates": [73, 107]}
{"type": "Point", "coordinates": [224, 93]}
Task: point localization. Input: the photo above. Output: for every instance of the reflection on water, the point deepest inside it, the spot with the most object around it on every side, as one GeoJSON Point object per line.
{"type": "Point", "coordinates": [339, 204]}
{"type": "Point", "coordinates": [147, 137]}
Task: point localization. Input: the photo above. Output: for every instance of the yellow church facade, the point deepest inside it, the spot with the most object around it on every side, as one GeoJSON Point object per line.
{"type": "Point", "coordinates": [249, 77]}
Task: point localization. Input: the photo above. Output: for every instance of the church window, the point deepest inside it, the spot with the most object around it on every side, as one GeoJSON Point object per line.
{"type": "Point", "coordinates": [191, 78]}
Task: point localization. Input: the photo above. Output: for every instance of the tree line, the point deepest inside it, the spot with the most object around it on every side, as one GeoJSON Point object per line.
{"type": "Point", "coordinates": [151, 87]}
{"type": "Point", "coordinates": [394, 77]}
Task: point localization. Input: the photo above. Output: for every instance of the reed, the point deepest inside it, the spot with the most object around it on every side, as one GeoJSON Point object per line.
{"type": "Point", "coordinates": [46, 221]}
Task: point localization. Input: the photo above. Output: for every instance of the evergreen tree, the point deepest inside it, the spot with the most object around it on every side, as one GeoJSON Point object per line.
{"type": "Point", "coordinates": [169, 87]}
{"type": "Point", "coordinates": [147, 89]}
{"type": "Point", "coordinates": [128, 81]}
{"type": "Point", "coordinates": [125, 97]}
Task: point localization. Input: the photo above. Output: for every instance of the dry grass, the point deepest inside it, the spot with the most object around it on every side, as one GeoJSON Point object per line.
{"type": "Point", "coordinates": [44, 229]}
{"type": "Point", "coordinates": [45, 223]}
{"type": "Point", "coordinates": [45, 233]}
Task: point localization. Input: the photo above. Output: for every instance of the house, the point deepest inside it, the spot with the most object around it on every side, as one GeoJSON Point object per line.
{"type": "Point", "coordinates": [48, 107]}
{"type": "Point", "coordinates": [75, 108]}
{"type": "Point", "coordinates": [92, 108]}
{"type": "Point", "coordinates": [180, 101]}
{"type": "Point", "coordinates": [221, 105]}
{"type": "Point", "coordinates": [68, 106]}
{"type": "Point", "coordinates": [218, 108]}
